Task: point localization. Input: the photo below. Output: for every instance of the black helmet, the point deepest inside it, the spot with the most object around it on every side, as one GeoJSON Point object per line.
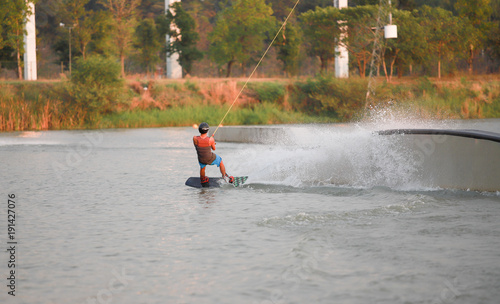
{"type": "Point", "coordinates": [203, 128]}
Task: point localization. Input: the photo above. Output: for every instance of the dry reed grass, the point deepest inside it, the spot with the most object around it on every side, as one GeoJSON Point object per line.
{"type": "Point", "coordinates": [161, 96]}
{"type": "Point", "coordinates": [145, 102]}
{"type": "Point", "coordinates": [226, 92]}
{"type": "Point", "coordinates": [17, 115]}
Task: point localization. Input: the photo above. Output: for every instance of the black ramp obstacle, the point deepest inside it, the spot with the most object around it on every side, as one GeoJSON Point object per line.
{"type": "Point", "coordinates": [475, 134]}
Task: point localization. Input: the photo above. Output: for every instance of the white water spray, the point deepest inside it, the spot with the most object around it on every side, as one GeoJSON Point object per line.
{"type": "Point", "coordinates": [351, 155]}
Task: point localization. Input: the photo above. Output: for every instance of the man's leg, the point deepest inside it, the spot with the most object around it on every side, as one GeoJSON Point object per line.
{"type": "Point", "coordinates": [202, 173]}
{"type": "Point", "coordinates": [203, 179]}
{"type": "Point", "coordinates": [222, 169]}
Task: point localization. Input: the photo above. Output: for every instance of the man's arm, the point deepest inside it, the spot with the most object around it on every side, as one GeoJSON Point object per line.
{"type": "Point", "coordinates": [212, 142]}
{"type": "Point", "coordinates": [195, 141]}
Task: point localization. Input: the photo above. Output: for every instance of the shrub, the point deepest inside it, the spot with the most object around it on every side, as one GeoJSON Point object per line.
{"type": "Point", "coordinates": [425, 86]}
{"type": "Point", "coordinates": [272, 92]}
{"type": "Point", "coordinates": [95, 86]}
{"type": "Point", "coordinates": [192, 86]}
{"type": "Point", "coordinates": [329, 96]}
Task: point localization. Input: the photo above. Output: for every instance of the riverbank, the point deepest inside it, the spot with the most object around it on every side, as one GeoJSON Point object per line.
{"type": "Point", "coordinates": [161, 103]}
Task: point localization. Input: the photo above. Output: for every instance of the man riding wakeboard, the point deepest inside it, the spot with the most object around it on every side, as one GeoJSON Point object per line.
{"type": "Point", "coordinates": [204, 146]}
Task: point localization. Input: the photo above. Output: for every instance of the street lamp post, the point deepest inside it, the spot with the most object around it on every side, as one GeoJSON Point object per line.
{"type": "Point", "coordinates": [70, 28]}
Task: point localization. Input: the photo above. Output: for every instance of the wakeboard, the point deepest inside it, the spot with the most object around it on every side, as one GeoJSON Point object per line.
{"type": "Point", "coordinates": [215, 182]}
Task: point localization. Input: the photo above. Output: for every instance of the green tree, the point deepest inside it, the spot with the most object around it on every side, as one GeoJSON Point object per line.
{"type": "Point", "coordinates": [123, 22]}
{"type": "Point", "coordinates": [308, 5]}
{"type": "Point", "coordinates": [474, 15]}
{"type": "Point", "coordinates": [410, 46]}
{"type": "Point", "coordinates": [471, 41]}
{"type": "Point", "coordinates": [495, 10]}
{"type": "Point", "coordinates": [360, 34]}
{"type": "Point", "coordinates": [288, 44]}
{"type": "Point", "coordinates": [85, 31]}
{"type": "Point", "coordinates": [13, 25]}
{"type": "Point", "coordinates": [493, 35]}
{"type": "Point", "coordinates": [322, 33]}
{"type": "Point", "coordinates": [103, 39]}
{"type": "Point", "coordinates": [148, 43]}
{"type": "Point", "coordinates": [494, 41]}
{"type": "Point", "coordinates": [150, 8]}
{"type": "Point", "coordinates": [281, 8]}
{"type": "Point", "coordinates": [444, 4]}
{"type": "Point", "coordinates": [239, 32]}
{"type": "Point", "coordinates": [355, 3]}
{"type": "Point", "coordinates": [73, 14]}
{"type": "Point", "coordinates": [477, 11]}
{"type": "Point", "coordinates": [408, 5]}
{"type": "Point", "coordinates": [3, 32]}
{"type": "Point", "coordinates": [203, 12]}
{"type": "Point", "coordinates": [442, 33]}
{"type": "Point", "coordinates": [181, 28]}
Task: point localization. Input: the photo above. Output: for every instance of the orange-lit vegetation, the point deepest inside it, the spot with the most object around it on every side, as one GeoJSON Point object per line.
{"type": "Point", "coordinates": [42, 106]}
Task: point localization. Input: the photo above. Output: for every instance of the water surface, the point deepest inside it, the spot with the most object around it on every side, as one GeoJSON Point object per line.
{"type": "Point", "coordinates": [104, 217]}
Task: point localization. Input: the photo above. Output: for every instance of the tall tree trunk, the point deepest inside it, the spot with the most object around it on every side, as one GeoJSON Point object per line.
{"type": "Point", "coordinates": [400, 68]}
{"type": "Point", "coordinates": [439, 62]}
{"type": "Point", "coordinates": [439, 68]}
{"type": "Point", "coordinates": [392, 63]}
{"type": "Point", "coordinates": [19, 65]}
{"type": "Point", "coordinates": [392, 68]}
{"type": "Point", "coordinates": [122, 61]}
{"type": "Point", "coordinates": [324, 65]}
{"type": "Point", "coordinates": [385, 71]}
{"type": "Point", "coordinates": [18, 56]}
{"type": "Point", "coordinates": [244, 69]}
{"type": "Point", "coordinates": [471, 58]}
{"type": "Point", "coordinates": [364, 65]}
{"type": "Point", "coordinates": [360, 68]}
{"type": "Point", "coordinates": [229, 65]}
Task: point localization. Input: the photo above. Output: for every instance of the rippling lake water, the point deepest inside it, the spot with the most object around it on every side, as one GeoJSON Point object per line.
{"type": "Point", "coordinates": [104, 217]}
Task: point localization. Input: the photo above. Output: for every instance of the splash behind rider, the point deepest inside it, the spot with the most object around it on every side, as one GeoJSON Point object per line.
{"type": "Point", "coordinates": [204, 146]}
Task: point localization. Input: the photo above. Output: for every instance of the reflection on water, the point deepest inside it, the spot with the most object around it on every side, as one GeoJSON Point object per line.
{"type": "Point", "coordinates": [207, 196]}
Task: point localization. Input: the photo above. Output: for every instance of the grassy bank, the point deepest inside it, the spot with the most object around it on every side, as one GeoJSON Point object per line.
{"type": "Point", "coordinates": [187, 115]}
{"type": "Point", "coordinates": [51, 105]}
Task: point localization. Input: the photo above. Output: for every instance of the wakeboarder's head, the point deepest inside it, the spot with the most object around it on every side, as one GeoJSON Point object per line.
{"type": "Point", "coordinates": [203, 128]}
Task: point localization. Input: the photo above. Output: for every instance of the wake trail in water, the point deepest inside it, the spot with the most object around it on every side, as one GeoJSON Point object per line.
{"type": "Point", "coordinates": [352, 155]}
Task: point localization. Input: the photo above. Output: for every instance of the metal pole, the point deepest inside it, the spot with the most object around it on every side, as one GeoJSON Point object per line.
{"type": "Point", "coordinates": [70, 51]}
{"type": "Point", "coordinates": [390, 12]}
{"type": "Point", "coordinates": [69, 28]}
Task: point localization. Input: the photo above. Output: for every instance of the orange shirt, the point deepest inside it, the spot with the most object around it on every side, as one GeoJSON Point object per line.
{"type": "Point", "coordinates": [204, 141]}
{"type": "Point", "coordinates": [204, 146]}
